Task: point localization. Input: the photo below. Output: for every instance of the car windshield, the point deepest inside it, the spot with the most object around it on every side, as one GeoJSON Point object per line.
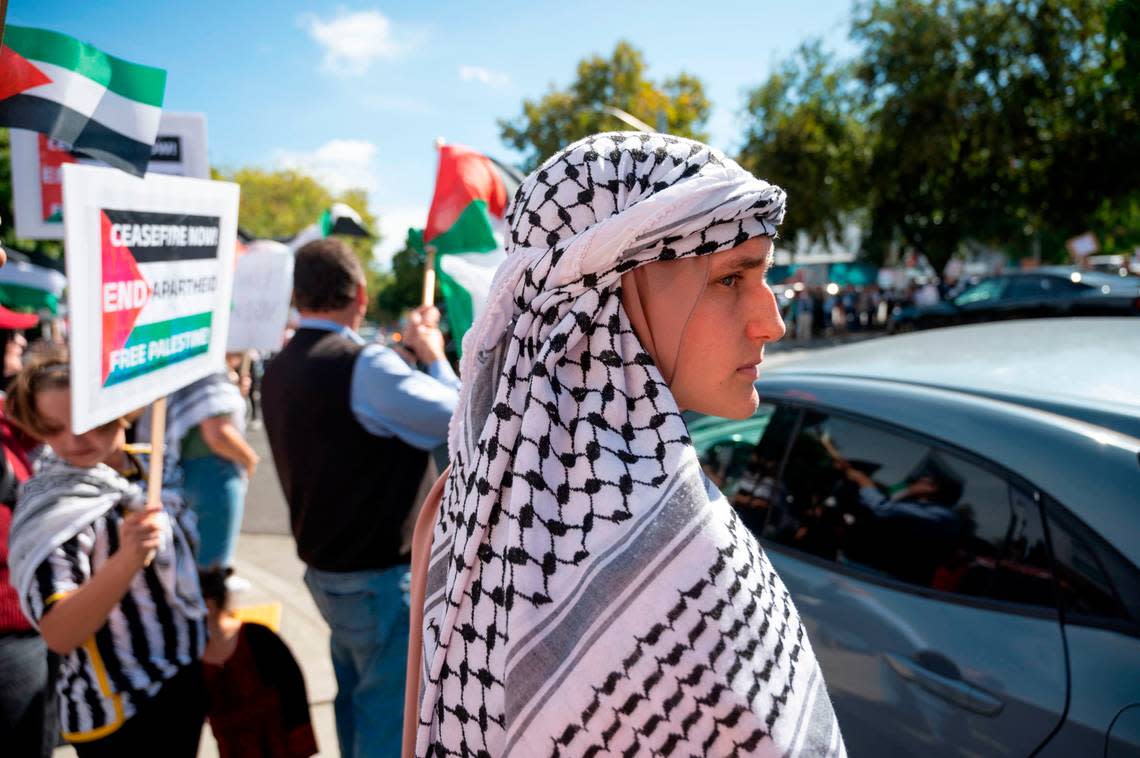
{"type": "Point", "coordinates": [988, 289]}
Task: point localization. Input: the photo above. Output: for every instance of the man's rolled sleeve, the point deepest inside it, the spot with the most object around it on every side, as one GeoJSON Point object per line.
{"type": "Point", "coordinates": [392, 399]}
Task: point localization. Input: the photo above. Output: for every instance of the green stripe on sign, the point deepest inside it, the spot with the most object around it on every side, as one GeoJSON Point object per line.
{"type": "Point", "coordinates": [162, 343]}
{"type": "Point", "coordinates": [144, 84]}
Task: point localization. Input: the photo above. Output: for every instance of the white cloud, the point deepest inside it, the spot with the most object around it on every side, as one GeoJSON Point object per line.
{"type": "Point", "coordinates": [485, 76]}
{"type": "Point", "coordinates": [352, 41]}
{"type": "Point", "coordinates": [339, 164]}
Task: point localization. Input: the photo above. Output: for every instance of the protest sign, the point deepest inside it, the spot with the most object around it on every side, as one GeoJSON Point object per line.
{"type": "Point", "coordinates": [150, 271]}
{"type": "Point", "coordinates": [263, 283]}
{"type": "Point", "coordinates": [37, 163]}
{"type": "Point", "coordinates": [1082, 245]}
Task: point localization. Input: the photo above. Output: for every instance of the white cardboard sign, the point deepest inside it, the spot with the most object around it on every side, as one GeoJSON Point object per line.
{"type": "Point", "coordinates": [263, 283]}
{"type": "Point", "coordinates": [150, 272]}
{"type": "Point", "coordinates": [37, 166]}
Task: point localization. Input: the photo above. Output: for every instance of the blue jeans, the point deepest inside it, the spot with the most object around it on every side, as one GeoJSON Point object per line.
{"type": "Point", "coordinates": [367, 614]}
{"type": "Point", "coordinates": [215, 491]}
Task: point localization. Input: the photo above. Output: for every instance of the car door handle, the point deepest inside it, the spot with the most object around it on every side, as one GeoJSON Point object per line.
{"type": "Point", "coordinates": [947, 687]}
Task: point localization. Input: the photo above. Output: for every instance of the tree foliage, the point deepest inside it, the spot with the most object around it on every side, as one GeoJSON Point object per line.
{"type": "Point", "coordinates": [404, 286]}
{"type": "Point", "coordinates": [546, 125]}
{"type": "Point", "coordinates": [805, 133]}
{"type": "Point", "coordinates": [1006, 123]}
{"type": "Point", "coordinates": [282, 203]}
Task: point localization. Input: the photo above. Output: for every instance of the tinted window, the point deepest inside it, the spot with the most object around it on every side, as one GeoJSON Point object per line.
{"type": "Point", "coordinates": [894, 507]}
{"type": "Point", "coordinates": [1092, 578]}
{"type": "Point", "coordinates": [985, 290]}
{"type": "Point", "coordinates": [1026, 287]}
{"type": "Point", "coordinates": [1040, 287]}
{"type": "Point", "coordinates": [758, 485]}
{"type": "Point", "coordinates": [724, 445]}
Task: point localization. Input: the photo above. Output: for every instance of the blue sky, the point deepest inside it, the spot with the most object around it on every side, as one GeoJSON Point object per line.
{"type": "Point", "coordinates": [356, 93]}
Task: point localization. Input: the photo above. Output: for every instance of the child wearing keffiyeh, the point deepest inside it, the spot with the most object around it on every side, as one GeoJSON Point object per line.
{"type": "Point", "coordinates": [581, 588]}
{"type": "Point", "coordinates": [128, 628]}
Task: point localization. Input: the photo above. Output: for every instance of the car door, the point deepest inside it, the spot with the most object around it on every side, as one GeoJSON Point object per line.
{"type": "Point", "coordinates": [923, 580]}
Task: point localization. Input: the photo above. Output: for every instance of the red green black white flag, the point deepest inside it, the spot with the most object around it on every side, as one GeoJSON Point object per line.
{"type": "Point", "coordinates": [101, 105]}
{"type": "Point", "coordinates": [464, 227]}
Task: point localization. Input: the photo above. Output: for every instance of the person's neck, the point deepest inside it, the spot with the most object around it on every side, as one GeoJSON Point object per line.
{"type": "Point", "coordinates": [344, 318]}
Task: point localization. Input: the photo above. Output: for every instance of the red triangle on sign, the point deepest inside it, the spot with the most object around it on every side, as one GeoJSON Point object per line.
{"type": "Point", "coordinates": [17, 74]}
{"type": "Point", "coordinates": [123, 293]}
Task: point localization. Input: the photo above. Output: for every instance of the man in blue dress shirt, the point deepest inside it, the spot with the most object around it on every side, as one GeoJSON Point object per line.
{"type": "Point", "coordinates": [350, 425]}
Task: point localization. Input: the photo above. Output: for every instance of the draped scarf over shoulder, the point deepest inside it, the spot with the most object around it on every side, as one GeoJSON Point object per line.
{"type": "Point", "coordinates": [588, 590]}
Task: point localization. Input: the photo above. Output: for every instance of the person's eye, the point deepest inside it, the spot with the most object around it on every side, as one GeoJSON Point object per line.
{"type": "Point", "coordinates": [730, 280]}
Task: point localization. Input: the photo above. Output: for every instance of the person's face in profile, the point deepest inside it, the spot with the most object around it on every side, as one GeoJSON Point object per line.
{"type": "Point", "coordinates": [723, 342]}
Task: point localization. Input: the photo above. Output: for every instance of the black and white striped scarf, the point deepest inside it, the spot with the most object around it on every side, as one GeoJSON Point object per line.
{"type": "Point", "coordinates": [588, 591]}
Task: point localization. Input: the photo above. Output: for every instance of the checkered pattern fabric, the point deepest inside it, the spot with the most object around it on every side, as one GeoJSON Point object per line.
{"type": "Point", "coordinates": [588, 593]}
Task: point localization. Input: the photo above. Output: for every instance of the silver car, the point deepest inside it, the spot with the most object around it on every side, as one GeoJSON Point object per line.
{"type": "Point", "coordinates": [957, 516]}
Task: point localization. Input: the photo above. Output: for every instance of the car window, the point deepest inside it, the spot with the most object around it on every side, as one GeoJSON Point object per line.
{"type": "Point", "coordinates": [1027, 287]}
{"type": "Point", "coordinates": [890, 506]}
{"type": "Point", "coordinates": [724, 445]}
{"type": "Point", "coordinates": [1092, 579]}
{"type": "Point", "coordinates": [755, 489]}
{"type": "Point", "coordinates": [987, 289]}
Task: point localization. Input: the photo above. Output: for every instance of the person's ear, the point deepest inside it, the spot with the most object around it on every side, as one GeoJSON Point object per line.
{"type": "Point", "coordinates": [361, 295]}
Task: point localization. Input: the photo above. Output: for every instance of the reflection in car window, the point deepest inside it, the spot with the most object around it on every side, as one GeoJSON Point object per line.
{"type": "Point", "coordinates": [1086, 567]}
{"type": "Point", "coordinates": [724, 446]}
{"type": "Point", "coordinates": [758, 484]}
{"type": "Point", "coordinates": [987, 289]}
{"type": "Point", "coordinates": [890, 506]}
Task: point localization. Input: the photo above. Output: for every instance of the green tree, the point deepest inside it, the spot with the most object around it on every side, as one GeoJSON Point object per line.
{"type": "Point", "coordinates": [561, 116]}
{"type": "Point", "coordinates": [403, 289]}
{"type": "Point", "coordinates": [1006, 123]}
{"type": "Point", "coordinates": [282, 203]}
{"type": "Point", "coordinates": [805, 133]}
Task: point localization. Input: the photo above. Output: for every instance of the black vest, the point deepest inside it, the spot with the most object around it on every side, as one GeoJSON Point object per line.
{"type": "Point", "coordinates": [348, 491]}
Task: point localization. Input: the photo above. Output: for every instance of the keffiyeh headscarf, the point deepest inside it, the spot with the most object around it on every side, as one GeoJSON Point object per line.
{"type": "Point", "coordinates": [589, 591]}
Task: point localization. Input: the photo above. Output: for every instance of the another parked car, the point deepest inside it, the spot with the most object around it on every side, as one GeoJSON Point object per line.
{"type": "Point", "coordinates": [1044, 292]}
{"type": "Point", "coordinates": [957, 517]}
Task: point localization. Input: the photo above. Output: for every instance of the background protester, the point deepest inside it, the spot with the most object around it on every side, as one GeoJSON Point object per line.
{"type": "Point", "coordinates": [350, 425]}
{"type": "Point", "coordinates": [258, 704]}
{"type": "Point", "coordinates": [205, 422]}
{"type": "Point", "coordinates": [28, 719]}
{"type": "Point", "coordinates": [129, 634]}
{"type": "Point", "coordinates": [586, 573]}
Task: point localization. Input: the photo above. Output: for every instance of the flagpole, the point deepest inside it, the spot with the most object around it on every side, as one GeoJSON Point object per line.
{"type": "Point", "coordinates": [429, 261]}
{"type": "Point", "coordinates": [157, 454]}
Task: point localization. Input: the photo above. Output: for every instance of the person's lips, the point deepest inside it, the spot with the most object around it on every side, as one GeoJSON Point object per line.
{"type": "Point", "coordinates": [749, 369]}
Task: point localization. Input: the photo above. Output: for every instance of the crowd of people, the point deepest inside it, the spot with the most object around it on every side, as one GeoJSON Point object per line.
{"type": "Point", "coordinates": [516, 605]}
{"type": "Point", "coordinates": [827, 311]}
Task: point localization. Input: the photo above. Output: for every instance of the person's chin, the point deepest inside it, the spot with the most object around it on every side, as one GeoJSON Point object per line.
{"type": "Point", "coordinates": [741, 403]}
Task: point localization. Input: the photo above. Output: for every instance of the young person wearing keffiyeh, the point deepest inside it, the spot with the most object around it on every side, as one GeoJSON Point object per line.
{"type": "Point", "coordinates": [585, 590]}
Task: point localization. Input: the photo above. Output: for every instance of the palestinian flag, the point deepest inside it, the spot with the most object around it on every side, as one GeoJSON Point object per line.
{"type": "Point", "coordinates": [464, 228]}
{"type": "Point", "coordinates": [102, 106]}
{"type": "Point", "coordinates": [336, 219]}
{"type": "Point", "coordinates": [25, 285]}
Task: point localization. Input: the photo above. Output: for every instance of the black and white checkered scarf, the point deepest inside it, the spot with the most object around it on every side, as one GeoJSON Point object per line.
{"type": "Point", "coordinates": [589, 592]}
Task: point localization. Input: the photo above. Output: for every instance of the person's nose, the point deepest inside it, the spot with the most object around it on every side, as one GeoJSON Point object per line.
{"type": "Point", "coordinates": [764, 322]}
